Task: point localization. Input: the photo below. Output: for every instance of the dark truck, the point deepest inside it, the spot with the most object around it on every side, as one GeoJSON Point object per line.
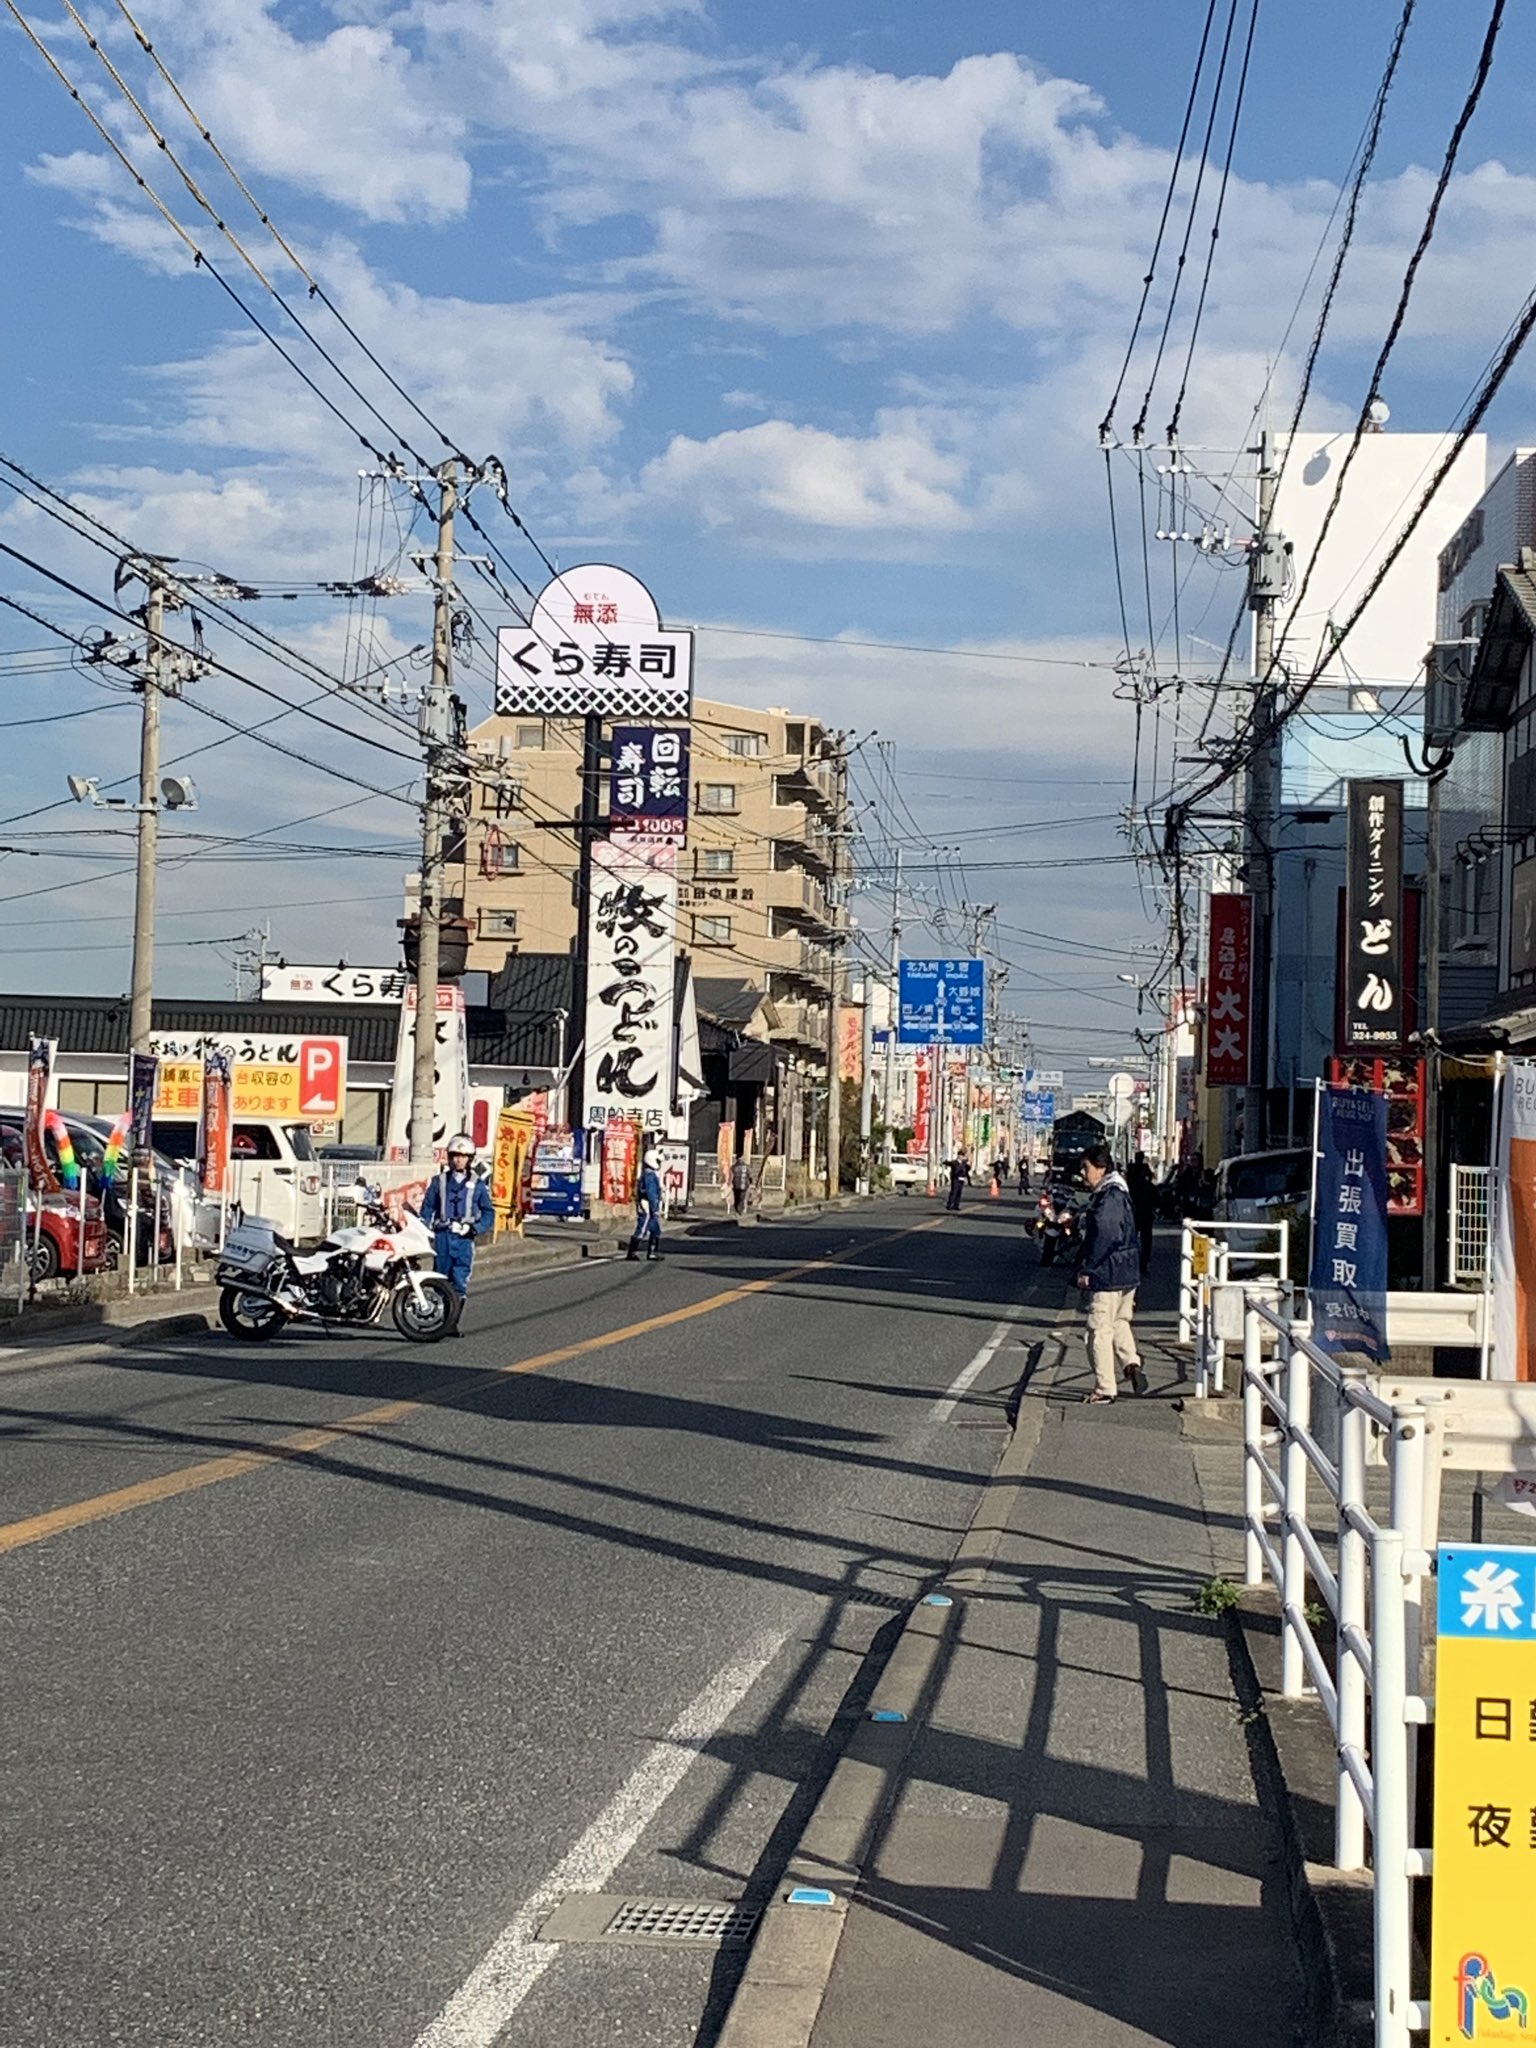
{"type": "Point", "coordinates": [1071, 1136]}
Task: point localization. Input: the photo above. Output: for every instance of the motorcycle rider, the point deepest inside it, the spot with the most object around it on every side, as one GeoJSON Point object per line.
{"type": "Point", "coordinates": [457, 1209]}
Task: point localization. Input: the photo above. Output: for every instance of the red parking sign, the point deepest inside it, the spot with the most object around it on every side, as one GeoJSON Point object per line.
{"type": "Point", "coordinates": [322, 1076]}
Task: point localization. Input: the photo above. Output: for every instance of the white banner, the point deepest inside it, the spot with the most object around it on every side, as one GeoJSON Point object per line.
{"type": "Point", "coordinates": [322, 985]}
{"type": "Point", "coordinates": [450, 1076]}
{"type": "Point", "coordinates": [631, 949]}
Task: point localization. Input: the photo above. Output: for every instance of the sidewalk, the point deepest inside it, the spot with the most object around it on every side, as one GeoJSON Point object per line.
{"type": "Point", "coordinates": [1072, 1849]}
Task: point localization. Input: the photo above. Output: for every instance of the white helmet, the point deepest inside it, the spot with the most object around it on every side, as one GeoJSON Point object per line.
{"type": "Point", "coordinates": [461, 1142]}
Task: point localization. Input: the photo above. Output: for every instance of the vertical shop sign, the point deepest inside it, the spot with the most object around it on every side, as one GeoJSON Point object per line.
{"type": "Point", "coordinates": [631, 949]}
{"type": "Point", "coordinates": [1514, 1228]}
{"type": "Point", "coordinates": [1348, 1282]}
{"type": "Point", "coordinates": [1374, 954]}
{"type": "Point", "coordinates": [1229, 993]}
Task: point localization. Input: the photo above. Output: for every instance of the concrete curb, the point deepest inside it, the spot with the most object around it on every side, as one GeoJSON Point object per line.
{"type": "Point", "coordinates": [779, 1997]}
{"type": "Point", "coordinates": [1331, 1910]}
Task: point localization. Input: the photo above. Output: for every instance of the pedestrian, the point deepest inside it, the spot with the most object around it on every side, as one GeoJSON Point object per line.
{"type": "Point", "coordinates": [959, 1174]}
{"type": "Point", "coordinates": [457, 1209]}
{"type": "Point", "coordinates": [741, 1182]}
{"type": "Point", "coordinates": [1000, 1172]}
{"type": "Point", "coordinates": [647, 1210]}
{"type": "Point", "coordinates": [1024, 1176]}
{"type": "Point", "coordinates": [1107, 1275]}
{"type": "Point", "coordinates": [1142, 1183]}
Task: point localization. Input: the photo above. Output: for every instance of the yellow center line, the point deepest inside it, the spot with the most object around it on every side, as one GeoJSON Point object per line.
{"type": "Point", "coordinates": [103, 1507]}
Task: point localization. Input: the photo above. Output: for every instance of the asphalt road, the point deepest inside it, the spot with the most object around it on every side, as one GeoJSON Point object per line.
{"type": "Point", "coordinates": [331, 1664]}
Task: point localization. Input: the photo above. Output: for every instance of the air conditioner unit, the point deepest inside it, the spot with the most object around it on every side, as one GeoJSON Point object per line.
{"type": "Point", "coordinates": [1446, 675]}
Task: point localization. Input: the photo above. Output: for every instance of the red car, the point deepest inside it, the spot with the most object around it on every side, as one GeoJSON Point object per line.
{"type": "Point", "coordinates": [52, 1224]}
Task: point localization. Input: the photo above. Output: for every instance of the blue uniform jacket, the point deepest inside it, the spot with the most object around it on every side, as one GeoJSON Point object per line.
{"type": "Point", "coordinates": [648, 1192]}
{"type": "Point", "coordinates": [1111, 1242]}
{"type": "Point", "coordinates": [451, 1200]}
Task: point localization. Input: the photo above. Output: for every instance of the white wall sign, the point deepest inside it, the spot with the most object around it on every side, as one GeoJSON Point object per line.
{"type": "Point", "coordinates": [450, 1074]}
{"type": "Point", "coordinates": [594, 643]}
{"type": "Point", "coordinates": [285, 984]}
{"type": "Point", "coordinates": [631, 947]}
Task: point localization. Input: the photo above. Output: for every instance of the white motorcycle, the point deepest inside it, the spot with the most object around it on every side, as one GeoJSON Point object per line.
{"type": "Point", "coordinates": [265, 1283]}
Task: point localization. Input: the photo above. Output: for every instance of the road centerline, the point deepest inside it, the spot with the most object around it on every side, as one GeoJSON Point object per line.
{"type": "Point", "coordinates": [123, 1500]}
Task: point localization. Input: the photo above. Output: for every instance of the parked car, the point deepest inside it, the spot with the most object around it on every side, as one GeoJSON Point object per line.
{"type": "Point", "coordinates": [276, 1171]}
{"type": "Point", "coordinates": [909, 1170]}
{"type": "Point", "coordinates": [88, 1135]}
{"type": "Point", "coordinates": [1267, 1187]}
{"type": "Point", "coordinates": [53, 1224]}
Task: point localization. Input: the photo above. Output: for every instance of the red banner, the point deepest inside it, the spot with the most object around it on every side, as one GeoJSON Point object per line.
{"type": "Point", "coordinates": [924, 1092]}
{"type": "Point", "coordinates": [621, 1160]}
{"type": "Point", "coordinates": [40, 1172]}
{"type": "Point", "coordinates": [1229, 993]}
{"type": "Point", "coordinates": [215, 1135]}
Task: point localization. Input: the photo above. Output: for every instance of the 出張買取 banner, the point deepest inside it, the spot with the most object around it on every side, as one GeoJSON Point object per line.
{"type": "Point", "coordinates": [1348, 1282]}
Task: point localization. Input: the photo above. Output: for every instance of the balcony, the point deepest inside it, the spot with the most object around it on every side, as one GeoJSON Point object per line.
{"type": "Point", "coordinates": [811, 848]}
{"type": "Point", "coordinates": [808, 782]}
{"type": "Point", "coordinates": [802, 900]}
{"type": "Point", "coordinates": [799, 1023]}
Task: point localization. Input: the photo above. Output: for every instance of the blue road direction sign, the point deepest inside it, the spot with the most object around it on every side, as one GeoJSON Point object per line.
{"type": "Point", "coordinates": [943, 1002]}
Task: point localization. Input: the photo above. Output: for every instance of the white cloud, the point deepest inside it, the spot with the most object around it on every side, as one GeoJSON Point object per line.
{"type": "Point", "coordinates": [782, 480]}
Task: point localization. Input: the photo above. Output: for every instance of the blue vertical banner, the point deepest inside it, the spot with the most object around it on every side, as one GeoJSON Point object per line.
{"type": "Point", "coordinates": [1349, 1225]}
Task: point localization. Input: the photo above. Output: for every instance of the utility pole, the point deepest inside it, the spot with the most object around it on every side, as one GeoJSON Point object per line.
{"type": "Point", "coordinates": [1268, 569]}
{"type": "Point", "coordinates": [435, 732]}
{"type": "Point", "coordinates": [893, 1020]}
{"type": "Point", "coordinates": [867, 1090]}
{"type": "Point", "coordinates": [589, 826]}
{"type": "Point", "coordinates": [834, 971]}
{"type": "Point", "coordinates": [141, 998]}
{"type": "Point", "coordinates": [1431, 1031]}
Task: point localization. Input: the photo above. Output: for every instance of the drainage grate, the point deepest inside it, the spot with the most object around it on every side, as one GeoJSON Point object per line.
{"type": "Point", "coordinates": [675, 1920]}
{"type": "Point", "coordinates": [601, 1916]}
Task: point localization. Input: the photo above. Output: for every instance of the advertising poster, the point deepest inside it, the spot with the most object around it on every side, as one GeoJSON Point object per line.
{"type": "Point", "coordinates": [511, 1159]}
{"type": "Point", "coordinates": [621, 1160]}
{"type": "Point", "coordinates": [1483, 1939]}
{"type": "Point", "coordinates": [1402, 1083]}
{"type": "Point", "coordinates": [39, 1086]}
{"type": "Point", "coordinates": [450, 1073]}
{"type": "Point", "coordinates": [1348, 1282]}
{"type": "Point", "coordinates": [214, 1132]}
{"type": "Point", "coordinates": [1373, 917]}
{"type": "Point", "coordinates": [1229, 993]}
{"type": "Point", "coordinates": [674, 1162]}
{"type": "Point", "coordinates": [924, 1113]}
{"type": "Point", "coordinates": [1514, 1228]}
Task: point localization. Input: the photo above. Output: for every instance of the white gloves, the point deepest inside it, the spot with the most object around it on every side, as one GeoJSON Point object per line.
{"type": "Point", "coordinates": [462, 1229]}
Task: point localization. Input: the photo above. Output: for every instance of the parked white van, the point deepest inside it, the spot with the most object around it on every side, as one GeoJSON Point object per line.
{"type": "Point", "coordinates": [274, 1170]}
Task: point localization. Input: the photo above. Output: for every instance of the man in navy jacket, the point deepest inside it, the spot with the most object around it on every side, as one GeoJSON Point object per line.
{"type": "Point", "coordinates": [1108, 1275]}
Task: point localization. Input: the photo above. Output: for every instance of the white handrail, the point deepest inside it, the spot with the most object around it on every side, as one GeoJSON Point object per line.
{"type": "Point", "coordinates": [1374, 1592]}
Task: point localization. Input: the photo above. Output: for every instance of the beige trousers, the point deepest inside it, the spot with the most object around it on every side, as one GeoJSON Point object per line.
{"type": "Point", "coordinates": [1111, 1340]}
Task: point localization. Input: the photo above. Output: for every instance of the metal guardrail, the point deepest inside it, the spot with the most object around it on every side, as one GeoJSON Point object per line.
{"type": "Point", "coordinates": [1206, 1253]}
{"type": "Point", "coordinates": [1374, 1591]}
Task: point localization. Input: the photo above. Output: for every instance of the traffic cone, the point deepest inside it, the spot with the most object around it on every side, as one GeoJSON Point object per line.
{"type": "Point", "coordinates": [996, 1190]}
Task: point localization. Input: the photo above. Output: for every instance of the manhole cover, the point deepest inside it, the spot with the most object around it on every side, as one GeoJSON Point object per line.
{"type": "Point", "coordinates": [602, 1916]}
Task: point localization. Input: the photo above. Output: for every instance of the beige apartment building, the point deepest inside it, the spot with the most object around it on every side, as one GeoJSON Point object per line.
{"type": "Point", "coordinates": [759, 895]}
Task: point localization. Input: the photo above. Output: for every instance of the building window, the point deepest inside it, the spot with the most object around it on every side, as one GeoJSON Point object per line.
{"type": "Point", "coordinates": [745, 744]}
{"type": "Point", "coordinates": [528, 739]}
{"type": "Point", "coordinates": [501, 799]}
{"type": "Point", "coordinates": [717, 796]}
{"type": "Point", "coordinates": [497, 924]}
{"type": "Point", "coordinates": [794, 739]}
{"type": "Point", "coordinates": [717, 860]}
{"type": "Point", "coordinates": [712, 931]}
{"type": "Point", "coordinates": [499, 856]}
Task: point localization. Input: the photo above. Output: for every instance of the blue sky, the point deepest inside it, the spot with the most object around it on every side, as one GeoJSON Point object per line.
{"type": "Point", "coordinates": [805, 313]}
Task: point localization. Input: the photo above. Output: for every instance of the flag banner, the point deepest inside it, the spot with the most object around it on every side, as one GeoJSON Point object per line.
{"type": "Point", "coordinates": [1349, 1224]}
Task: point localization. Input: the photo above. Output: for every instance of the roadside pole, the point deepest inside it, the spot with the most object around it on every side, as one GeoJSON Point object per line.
{"type": "Point", "coordinates": [887, 1147]}
{"type": "Point", "coordinates": [141, 1000]}
{"type": "Point", "coordinates": [590, 822]}
{"type": "Point", "coordinates": [1266, 586]}
{"type": "Point", "coordinates": [434, 733]}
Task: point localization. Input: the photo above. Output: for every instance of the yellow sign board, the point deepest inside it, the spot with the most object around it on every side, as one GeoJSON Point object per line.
{"type": "Point", "coordinates": [1483, 1951]}
{"type": "Point", "coordinates": [510, 1157]}
{"type": "Point", "coordinates": [258, 1091]}
{"type": "Point", "coordinates": [1199, 1257]}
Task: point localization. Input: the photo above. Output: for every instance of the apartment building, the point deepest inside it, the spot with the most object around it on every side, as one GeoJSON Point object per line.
{"type": "Point", "coordinates": [760, 881]}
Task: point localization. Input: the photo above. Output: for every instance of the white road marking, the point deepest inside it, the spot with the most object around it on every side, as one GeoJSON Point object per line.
{"type": "Point", "coordinates": [481, 2008]}
{"type": "Point", "coordinates": [946, 1405]}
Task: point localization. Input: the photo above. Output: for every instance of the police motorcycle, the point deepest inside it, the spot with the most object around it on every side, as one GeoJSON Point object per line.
{"type": "Point", "coordinates": [1059, 1223]}
{"type": "Point", "coordinates": [380, 1261]}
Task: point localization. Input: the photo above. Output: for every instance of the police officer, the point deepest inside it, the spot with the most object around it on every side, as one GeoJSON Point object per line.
{"type": "Point", "coordinates": [648, 1206]}
{"type": "Point", "coordinates": [457, 1209]}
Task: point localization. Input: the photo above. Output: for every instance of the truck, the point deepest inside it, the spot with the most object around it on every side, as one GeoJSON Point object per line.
{"type": "Point", "coordinates": [1071, 1137]}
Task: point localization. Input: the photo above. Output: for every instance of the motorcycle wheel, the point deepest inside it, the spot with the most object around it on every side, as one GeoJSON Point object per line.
{"type": "Point", "coordinates": [250, 1317]}
{"type": "Point", "coordinates": [430, 1320]}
